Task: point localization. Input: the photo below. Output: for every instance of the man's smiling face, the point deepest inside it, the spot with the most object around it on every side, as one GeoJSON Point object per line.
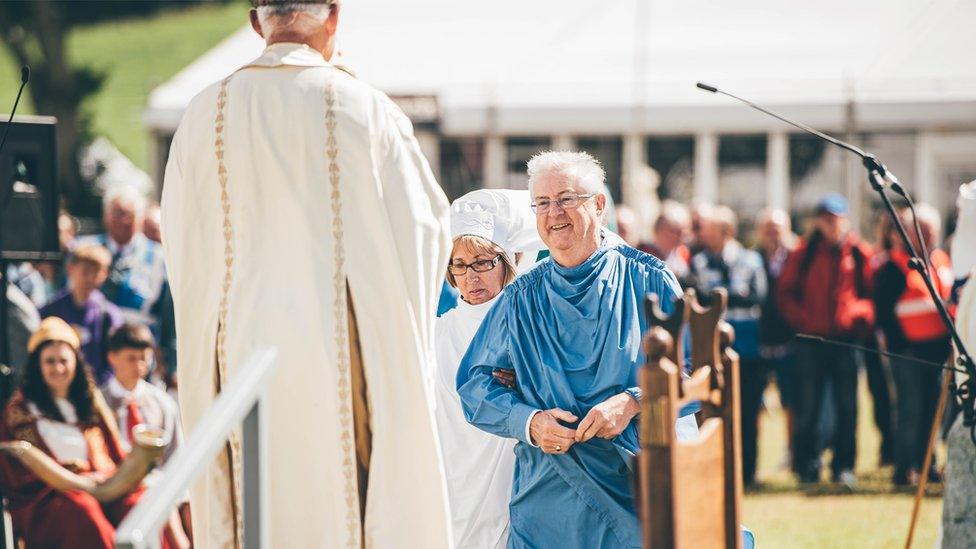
{"type": "Point", "coordinates": [564, 230]}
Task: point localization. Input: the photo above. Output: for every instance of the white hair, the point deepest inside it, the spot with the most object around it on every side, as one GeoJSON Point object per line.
{"type": "Point", "coordinates": [774, 215]}
{"type": "Point", "coordinates": [927, 214]}
{"type": "Point", "coordinates": [580, 167]}
{"type": "Point", "coordinates": [929, 219]}
{"type": "Point", "coordinates": [276, 17]}
{"type": "Point", "coordinates": [675, 213]}
{"type": "Point", "coordinates": [726, 218]}
{"type": "Point", "coordinates": [125, 194]}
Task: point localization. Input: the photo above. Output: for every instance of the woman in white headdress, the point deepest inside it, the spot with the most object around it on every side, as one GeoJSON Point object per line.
{"type": "Point", "coordinates": [492, 231]}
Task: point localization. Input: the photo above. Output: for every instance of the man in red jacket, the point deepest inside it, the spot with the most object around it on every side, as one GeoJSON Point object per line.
{"type": "Point", "coordinates": [825, 290]}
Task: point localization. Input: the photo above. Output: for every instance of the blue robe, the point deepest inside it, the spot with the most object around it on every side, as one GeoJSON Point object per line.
{"type": "Point", "coordinates": [573, 337]}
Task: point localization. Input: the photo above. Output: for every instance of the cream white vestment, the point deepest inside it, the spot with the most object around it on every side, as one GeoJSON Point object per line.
{"type": "Point", "coordinates": [284, 182]}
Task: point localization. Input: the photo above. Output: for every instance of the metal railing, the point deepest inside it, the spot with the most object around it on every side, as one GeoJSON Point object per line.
{"type": "Point", "coordinates": [244, 400]}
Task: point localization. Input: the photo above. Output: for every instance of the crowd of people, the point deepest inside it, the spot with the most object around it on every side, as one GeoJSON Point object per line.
{"type": "Point", "coordinates": [103, 280]}
{"type": "Point", "coordinates": [829, 283]}
{"type": "Point", "coordinates": [112, 291]}
{"type": "Point", "coordinates": [93, 361]}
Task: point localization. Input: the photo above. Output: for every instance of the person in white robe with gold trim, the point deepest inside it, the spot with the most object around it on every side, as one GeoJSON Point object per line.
{"type": "Point", "coordinates": [494, 233]}
{"type": "Point", "coordinates": [299, 213]}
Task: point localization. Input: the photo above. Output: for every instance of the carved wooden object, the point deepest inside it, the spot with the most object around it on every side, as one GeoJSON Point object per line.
{"type": "Point", "coordinates": [690, 492]}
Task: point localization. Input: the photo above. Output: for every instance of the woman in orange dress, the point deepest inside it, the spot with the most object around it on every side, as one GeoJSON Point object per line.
{"type": "Point", "coordinates": [58, 410]}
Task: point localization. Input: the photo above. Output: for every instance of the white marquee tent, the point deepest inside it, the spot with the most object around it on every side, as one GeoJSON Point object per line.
{"type": "Point", "coordinates": [627, 68]}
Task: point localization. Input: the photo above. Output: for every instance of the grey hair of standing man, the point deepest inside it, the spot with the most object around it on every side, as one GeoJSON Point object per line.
{"type": "Point", "coordinates": [726, 219]}
{"type": "Point", "coordinates": [123, 213]}
{"type": "Point", "coordinates": [579, 166]}
{"type": "Point", "coordinates": [125, 195]}
{"type": "Point", "coordinates": [930, 221]}
{"type": "Point", "coordinates": [311, 22]}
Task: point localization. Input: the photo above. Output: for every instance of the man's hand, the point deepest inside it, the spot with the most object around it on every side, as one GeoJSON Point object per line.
{"type": "Point", "coordinates": [608, 418]}
{"type": "Point", "coordinates": [550, 435]}
{"type": "Point", "coordinates": [505, 377]}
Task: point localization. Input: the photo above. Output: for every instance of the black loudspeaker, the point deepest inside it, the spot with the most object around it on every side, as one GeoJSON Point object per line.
{"type": "Point", "coordinates": [29, 194]}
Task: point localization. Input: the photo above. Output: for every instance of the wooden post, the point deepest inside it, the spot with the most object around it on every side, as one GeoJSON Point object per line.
{"type": "Point", "coordinates": [659, 385]}
{"type": "Point", "coordinates": [690, 490]}
{"type": "Point", "coordinates": [732, 431]}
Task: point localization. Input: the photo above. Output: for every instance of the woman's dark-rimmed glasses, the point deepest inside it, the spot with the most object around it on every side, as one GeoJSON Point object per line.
{"type": "Point", "coordinates": [480, 266]}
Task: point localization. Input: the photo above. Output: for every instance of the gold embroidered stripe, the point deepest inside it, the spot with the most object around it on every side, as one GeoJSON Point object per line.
{"type": "Point", "coordinates": [352, 495]}
{"type": "Point", "coordinates": [233, 443]}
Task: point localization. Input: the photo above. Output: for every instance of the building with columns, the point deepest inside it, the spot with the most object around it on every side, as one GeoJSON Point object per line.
{"type": "Point", "coordinates": [487, 86]}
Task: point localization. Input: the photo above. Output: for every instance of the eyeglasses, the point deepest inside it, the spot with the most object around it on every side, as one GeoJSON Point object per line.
{"type": "Point", "coordinates": [480, 266]}
{"type": "Point", "coordinates": [566, 201]}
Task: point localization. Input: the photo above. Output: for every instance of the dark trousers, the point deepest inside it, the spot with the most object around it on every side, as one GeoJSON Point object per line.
{"type": "Point", "coordinates": [880, 386]}
{"type": "Point", "coordinates": [917, 387]}
{"type": "Point", "coordinates": [816, 366]}
{"type": "Point", "coordinates": [752, 379]}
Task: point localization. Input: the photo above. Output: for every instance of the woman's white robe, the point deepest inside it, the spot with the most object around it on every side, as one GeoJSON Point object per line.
{"type": "Point", "coordinates": [479, 466]}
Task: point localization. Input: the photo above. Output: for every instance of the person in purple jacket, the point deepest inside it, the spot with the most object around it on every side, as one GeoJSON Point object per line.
{"type": "Point", "coordinates": [86, 309]}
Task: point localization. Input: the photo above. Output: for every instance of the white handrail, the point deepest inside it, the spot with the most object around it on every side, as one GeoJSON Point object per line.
{"type": "Point", "coordinates": [242, 401]}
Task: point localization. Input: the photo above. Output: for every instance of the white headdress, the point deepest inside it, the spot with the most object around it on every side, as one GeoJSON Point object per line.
{"type": "Point", "coordinates": [501, 216]}
{"type": "Point", "coordinates": [963, 247]}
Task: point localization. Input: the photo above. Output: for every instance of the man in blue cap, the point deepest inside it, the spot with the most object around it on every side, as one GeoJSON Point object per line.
{"type": "Point", "coordinates": [825, 290]}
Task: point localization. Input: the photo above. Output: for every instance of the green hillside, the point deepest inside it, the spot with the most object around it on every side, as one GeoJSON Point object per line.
{"type": "Point", "coordinates": [138, 55]}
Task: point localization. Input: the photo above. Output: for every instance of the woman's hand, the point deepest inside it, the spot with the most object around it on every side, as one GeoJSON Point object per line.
{"type": "Point", "coordinates": [550, 435]}
{"type": "Point", "coordinates": [608, 418]}
{"type": "Point", "coordinates": [505, 377]}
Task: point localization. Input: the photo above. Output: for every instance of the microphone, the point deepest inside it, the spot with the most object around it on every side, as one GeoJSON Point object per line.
{"type": "Point", "coordinates": [24, 78]}
{"type": "Point", "coordinates": [706, 87]}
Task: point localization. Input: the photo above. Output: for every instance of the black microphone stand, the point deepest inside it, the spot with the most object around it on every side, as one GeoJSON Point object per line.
{"type": "Point", "coordinates": [5, 371]}
{"type": "Point", "coordinates": [880, 177]}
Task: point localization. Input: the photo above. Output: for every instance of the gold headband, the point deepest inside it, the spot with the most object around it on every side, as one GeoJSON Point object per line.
{"type": "Point", "coordinates": [53, 329]}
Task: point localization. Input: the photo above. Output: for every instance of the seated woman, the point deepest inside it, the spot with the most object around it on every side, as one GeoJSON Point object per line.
{"type": "Point", "coordinates": [57, 414]}
{"type": "Point", "coordinates": [490, 228]}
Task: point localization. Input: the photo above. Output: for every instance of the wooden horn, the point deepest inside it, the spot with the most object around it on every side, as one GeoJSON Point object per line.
{"type": "Point", "coordinates": [148, 447]}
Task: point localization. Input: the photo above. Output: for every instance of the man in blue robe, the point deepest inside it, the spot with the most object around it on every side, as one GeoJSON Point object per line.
{"type": "Point", "coordinates": [571, 330]}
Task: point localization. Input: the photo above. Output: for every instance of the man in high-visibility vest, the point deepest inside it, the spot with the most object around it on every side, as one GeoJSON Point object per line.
{"type": "Point", "coordinates": [911, 325]}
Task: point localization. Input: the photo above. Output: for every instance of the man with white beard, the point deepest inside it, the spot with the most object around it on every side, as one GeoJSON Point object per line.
{"type": "Point", "coordinates": [299, 213]}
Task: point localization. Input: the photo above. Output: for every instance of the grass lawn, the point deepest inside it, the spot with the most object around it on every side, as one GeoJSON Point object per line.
{"type": "Point", "coordinates": [875, 516]}
{"type": "Point", "coordinates": [137, 55]}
